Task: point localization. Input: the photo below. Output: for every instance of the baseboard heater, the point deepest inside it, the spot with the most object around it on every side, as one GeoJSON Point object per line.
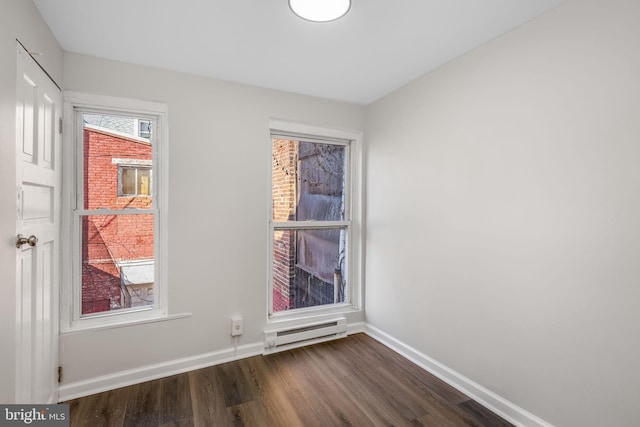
{"type": "Point", "coordinates": [310, 333]}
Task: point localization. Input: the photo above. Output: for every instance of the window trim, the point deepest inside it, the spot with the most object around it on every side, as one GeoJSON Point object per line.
{"type": "Point", "coordinates": [352, 219]}
{"type": "Point", "coordinates": [71, 304]}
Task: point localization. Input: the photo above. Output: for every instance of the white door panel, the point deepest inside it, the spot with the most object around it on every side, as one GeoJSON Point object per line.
{"type": "Point", "coordinates": [37, 214]}
{"type": "Point", "coordinates": [24, 325]}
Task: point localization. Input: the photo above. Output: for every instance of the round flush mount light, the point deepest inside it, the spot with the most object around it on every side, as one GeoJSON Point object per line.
{"type": "Point", "coordinates": [320, 10]}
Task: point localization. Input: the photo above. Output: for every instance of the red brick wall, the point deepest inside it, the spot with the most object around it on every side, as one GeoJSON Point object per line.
{"type": "Point", "coordinates": [110, 238]}
{"type": "Point", "coordinates": [100, 276]}
{"type": "Point", "coordinates": [284, 202]}
{"type": "Point", "coordinates": [101, 174]}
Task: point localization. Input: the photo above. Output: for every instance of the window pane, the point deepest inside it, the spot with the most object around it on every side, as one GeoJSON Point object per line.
{"type": "Point", "coordinates": [144, 182]}
{"type": "Point", "coordinates": [309, 268]}
{"type": "Point", "coordinates": [145, 129]}
{"type": "Point", "coordinates": [128, 181]}
{"type": "Point", "coordinates": [308, 181]}
{"type": "Point", "coordinates": [113, 154]}
{"type": "Point", "coordinates": [117, 262]}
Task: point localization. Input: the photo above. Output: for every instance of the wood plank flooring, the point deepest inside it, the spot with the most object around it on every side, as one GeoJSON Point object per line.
{"type": "Point", "coordinates": [355, 381]}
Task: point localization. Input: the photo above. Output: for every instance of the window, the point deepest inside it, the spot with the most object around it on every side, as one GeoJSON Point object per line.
{"type": "Point", "coordinates": [314, 219]}
{"type": "Point", "coordinates": [134, 181]}
{"type": "Point", "coordinates": [144, 129]}
{"type": "Point", "coordinates": [117, 212]}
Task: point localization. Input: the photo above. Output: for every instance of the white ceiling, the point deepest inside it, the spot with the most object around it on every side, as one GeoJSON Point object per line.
{"type": "Point", "coordinates": [379, 46]}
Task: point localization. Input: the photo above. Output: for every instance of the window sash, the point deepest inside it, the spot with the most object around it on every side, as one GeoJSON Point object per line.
{"type": "Point", "coordinates": [315, 268]}
{"type": "Point", "coordinates": [292, 225]}
{"type": "Point", "coordinates": [77, 270]}
{"type": "Point", "coordinates": [81, 212]}
{"type": "Point", "coordinates": [310, 138]}
{"type": "Point", "coordinates": [78, 112]}
{"type": "Point", "coordinates": [350, 298]}
{"type": "Point", "coordinates": [348, 168]}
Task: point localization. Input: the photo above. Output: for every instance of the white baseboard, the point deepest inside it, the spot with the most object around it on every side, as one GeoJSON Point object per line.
{"type": "Point", "coordinates": [159, 370]}
{"type": "Point", "coordinates": [490, 400]}
{"type": "Point", "coordinates": [356, 328]}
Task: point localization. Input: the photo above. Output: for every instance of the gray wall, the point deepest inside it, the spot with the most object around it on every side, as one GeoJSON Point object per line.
{"type": "Point", "coordinates": [503, 231]}
{"type": "Point", "coordinates": [20, 20]}
{"type": "Point", "coordinates": [219, 198]}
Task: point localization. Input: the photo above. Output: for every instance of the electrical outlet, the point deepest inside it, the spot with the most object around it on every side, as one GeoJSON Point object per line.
{"type": "Point", "coordinates": [236, 326]}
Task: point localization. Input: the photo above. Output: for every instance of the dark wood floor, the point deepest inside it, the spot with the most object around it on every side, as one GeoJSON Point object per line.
{"type": "Point", "coordinates": [355, 381]}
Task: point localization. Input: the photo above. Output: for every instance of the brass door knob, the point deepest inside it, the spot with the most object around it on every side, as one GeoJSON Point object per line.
{"type": "Point", "coordinates": [21, 240]}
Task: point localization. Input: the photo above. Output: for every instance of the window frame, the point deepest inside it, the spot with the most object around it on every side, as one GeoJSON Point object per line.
{"type": "Point", "coordinates": [352, 220]}
{"type": "Point", "coordinates": [75, 104]}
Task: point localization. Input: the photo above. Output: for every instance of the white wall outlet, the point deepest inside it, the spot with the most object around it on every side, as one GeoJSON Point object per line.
{"type": "Point", "coordinates": [236, 326]}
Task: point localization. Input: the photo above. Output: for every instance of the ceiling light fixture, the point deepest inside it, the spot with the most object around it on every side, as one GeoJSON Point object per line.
{"type": "Point", "coordinates": [320, 10]}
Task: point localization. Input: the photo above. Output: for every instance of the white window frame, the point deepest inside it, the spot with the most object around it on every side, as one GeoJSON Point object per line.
{"type": "Point", "coordinates": [71, 303]}
{"type": "Point", "coordinates": [352, 220]}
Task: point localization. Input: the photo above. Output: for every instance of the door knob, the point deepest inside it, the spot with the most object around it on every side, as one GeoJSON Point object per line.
{"type": "Point", "coordinates": [21, 240]}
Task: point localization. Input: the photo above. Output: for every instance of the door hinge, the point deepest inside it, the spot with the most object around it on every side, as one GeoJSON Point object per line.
{"type": "Point", "coordinates": [59, 374]}
{"type": "Point", "coordinates": [60, 125]}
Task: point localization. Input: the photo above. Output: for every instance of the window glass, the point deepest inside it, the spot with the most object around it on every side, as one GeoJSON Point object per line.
{"type": "Point", "coordinates": [309, 262]}
{"type": "Point", "coordinates": [128, 181]}
{"type": "Point", "coordinates": [144, 130]}
{"type": "Point", "coordinates": [144, 182]}
{"type": "Point", "coordinates": [117, 249]}
{"type": "Point", "coordinates": [308, 181]}
{"type": "Point", "coordinates": [117, 262]}
{"type": "Point", "coordinates": [116, 161]}
{"type": "Point", "coordinates": [309, 268]}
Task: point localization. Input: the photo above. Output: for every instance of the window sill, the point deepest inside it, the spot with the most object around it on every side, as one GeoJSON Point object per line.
{"type": "Point", "coordinates": [117, 321]}
{"type": "Point", "coordinates": [316, 313]}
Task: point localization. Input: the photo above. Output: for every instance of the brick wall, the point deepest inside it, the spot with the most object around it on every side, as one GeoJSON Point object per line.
{"type": "Point", "coordinates": [100, 275]}
{"type": "Point", "coordinates": [284, 201]}
{"type": "Point", "coordinates": [101, 174]}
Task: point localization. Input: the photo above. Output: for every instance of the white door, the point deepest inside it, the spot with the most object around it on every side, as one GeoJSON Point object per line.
{"type": "Point", "coordinates": [37, 214]}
